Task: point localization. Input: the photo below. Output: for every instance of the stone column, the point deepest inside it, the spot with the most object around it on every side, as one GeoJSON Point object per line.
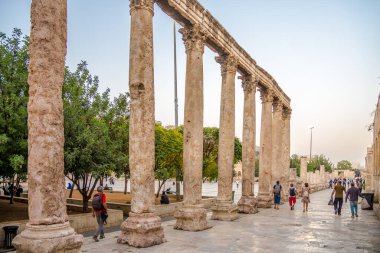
{"type": "Point", "coordinates": [48, 229]}
{"type": "Point", "coordinates": [192, 217]}
{"type": "Point", "coordinates": [225, 209]}
{"type": "Point", "coordinates": [286, 112]}
{"type": "Point", "coordinates": [277, 130]}
{"type": "Point", "coordinates": [265, 174]}
{"type": "Point", "coordinates": [369, 167]}
{"type": "Point", "coordinates": [142, 228]}
{"type": "Point", "coordinates": [303, 172]}
{"type": "Point", "coordinates": [248, 203]}
{"type": "Point", "coordinates": [322, 176]}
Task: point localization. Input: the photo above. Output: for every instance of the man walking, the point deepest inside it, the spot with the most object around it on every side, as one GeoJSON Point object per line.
{"type": "Point", "coordinates": [99, 210]}
{"type": "Point", "coordinates": [277, 194]}
{"type": "Point", "coordinates": [338, 200]}
{"type": "Point", "coordinates": [353, 194]}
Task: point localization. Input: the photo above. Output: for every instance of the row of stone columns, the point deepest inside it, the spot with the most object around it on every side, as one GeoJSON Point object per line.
{"type": "Point", "coordinates": [48, 229]}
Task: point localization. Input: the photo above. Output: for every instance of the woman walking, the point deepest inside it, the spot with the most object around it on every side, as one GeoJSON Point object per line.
{"type": "Point", "coordinates": [305, 193]}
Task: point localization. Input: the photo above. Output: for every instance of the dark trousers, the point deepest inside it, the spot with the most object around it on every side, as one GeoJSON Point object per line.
{"type": "Point", "coordinates": [338, 203]}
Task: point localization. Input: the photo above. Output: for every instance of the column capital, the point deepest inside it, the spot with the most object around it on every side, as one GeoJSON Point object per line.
{"type": "Point", "coordinates": [266, 94]}
{"type": "Point", "coordinates": [286, 113]}
{"type": "Point", "coordinates": [194, 37]}
{"type": "Point", "coordinates": [277, 105]}
{"type": "Point", "coordinates": [228, 63]}
{"type": "Point", "coordinates": [141, 4]}
{"type": "Point", "coordinates": [249, 83]}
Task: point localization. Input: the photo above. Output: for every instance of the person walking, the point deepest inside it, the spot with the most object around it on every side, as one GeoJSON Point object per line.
{"type": "Point", "coordinates": [277, 188]}
{"type": "Point", "coordinates": [338, 200]}
{"type": "Point", "coordinates": [353, 194]}
{"type": "Point", "coordinates": [305, 193]}
{"type": "Point", "coordinates": [99, 210]}
{"type": "Point", "coordinates": [292, 196]}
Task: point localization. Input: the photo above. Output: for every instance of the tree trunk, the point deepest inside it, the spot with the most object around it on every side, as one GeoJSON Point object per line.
{"type": "Point", "coordinates": [125, 184]}
{"type": "Point", "coordinates": [85, 203]}
{"type": "Point", "coordinates": [101, 181]}
{"type": "Point", "coordinates": [71, 191]}
{"type": "Point", "coordinates": [160, 184]}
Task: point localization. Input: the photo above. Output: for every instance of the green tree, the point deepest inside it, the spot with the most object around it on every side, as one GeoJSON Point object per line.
{"type": "Point", "coordinates": [14, 59]}
{"type": "Point", "coordinates": [168, 154]}
{"type": "Point", "coordinates": [315, 163]}
{"type": "Point", "coordinates": [89, 151]}
{"type": "Point", "coordinates": [210, 153]}
{"type": "Point", "coordinates": [344, 165]}
{"type": "Point", "coordinates": [119, 131]}
{"type": "Point", "coordinates": [295, 162]}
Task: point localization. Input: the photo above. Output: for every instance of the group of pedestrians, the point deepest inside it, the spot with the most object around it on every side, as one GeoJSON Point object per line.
{"type": "Point", "coordinates": [337, 197]}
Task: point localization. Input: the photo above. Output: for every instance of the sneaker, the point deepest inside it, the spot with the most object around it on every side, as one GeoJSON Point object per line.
{"type": "Point", "coordinates": [336, 211]}
{"type": "Point", "coordinates": [339, 214]}
{"type": "Point", "coordinates": [303, 210]}
{"type": "Point", "coordinates": [352, 216]}
{"type": "Point", "coordinates": [102, 237]}
{"type": "Point", "coordinates": [95, 238]}
{"type": "Point", "coordinates": [356, 215]}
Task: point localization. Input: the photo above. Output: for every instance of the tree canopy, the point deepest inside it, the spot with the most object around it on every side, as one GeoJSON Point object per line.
{"type": "Point", "coordinates": [344, 165]}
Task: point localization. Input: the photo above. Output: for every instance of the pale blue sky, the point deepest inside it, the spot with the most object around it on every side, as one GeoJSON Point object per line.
{"type": "Point", "coordinates": [325, 54]}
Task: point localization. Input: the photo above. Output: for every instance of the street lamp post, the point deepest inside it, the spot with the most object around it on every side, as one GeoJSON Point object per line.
{"type": "Point", "coordinates": [177, 186]}
{"type": "Point", "coordinates": [311, 140]}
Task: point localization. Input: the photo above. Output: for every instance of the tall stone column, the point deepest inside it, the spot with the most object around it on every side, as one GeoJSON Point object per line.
{"type": "Point", "coordinates": [277, 134]}
{"type": "Point", "coordinates": [248, 203]}
{"type": "Point", "coordinates": [303, 172]}
{"type": "Point", "coordinates": [225, 209]}
{"type": "Point", "coordinates": [369, 168]}
{"type": "Point", "coordinates": [192, 216]}
{"type": "Point", "coordinates": [48, 229]}
{"type": "Point", "coordinates": [142, 228]}
{"type": "Point", "coordinates": [285, 178]}
{"type": "Point", "coordinates": [265, 174]}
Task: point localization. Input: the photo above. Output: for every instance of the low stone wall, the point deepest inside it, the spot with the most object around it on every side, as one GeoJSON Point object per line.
{"type": "Point", "coordinates": [169, 209]}
{"type": "Point", "coordinates": [81, 223]}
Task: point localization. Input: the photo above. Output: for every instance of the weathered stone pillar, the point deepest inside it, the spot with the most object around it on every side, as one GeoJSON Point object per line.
{"type": "Point", "coordinates": [277, 134]}
{"type": "Point", "coordinates": [192, 216]}
{"type": "Point", "coordinates": [303, 172]}
{"type": "Point", "coordinates": [286, 112]}
{"type": "Point", "coordinates": [142, 228]}
{"type": "Point", "coordinates": [225, 209]}
{"type": "Point", "coordinates": [265, 174]}
{"type": "Point", "coordinates": [248, 203]}
{"type": "Point", "coordinates": [369, 168]}
{"type": "Point", "coordinates": [48, 229]}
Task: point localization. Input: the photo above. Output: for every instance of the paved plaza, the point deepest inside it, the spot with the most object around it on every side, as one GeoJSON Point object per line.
{"type": "Point", "coordinates": [318, 230]}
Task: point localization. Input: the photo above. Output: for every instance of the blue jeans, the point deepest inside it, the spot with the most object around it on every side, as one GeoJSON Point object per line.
{"type": "Point", "coordinates": [354, 207]}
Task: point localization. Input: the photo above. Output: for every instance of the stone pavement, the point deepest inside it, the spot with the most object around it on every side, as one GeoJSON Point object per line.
{"type": "Point", "coordinates": [318, 230]}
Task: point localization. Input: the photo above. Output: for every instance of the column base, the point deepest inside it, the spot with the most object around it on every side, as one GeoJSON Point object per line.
{"type": "Point", "coordinates": [224, 211]}
{"type": "Point", "coordinates": [264, 200]}
{"type": "Point", "coordinates": [141, 230]}
{"type": "Point", "coordinates": [248, 205]}
{"type": "Point", "coordinates": [191, 218]}
{"type": "Point", "coordinates": [55, 238]}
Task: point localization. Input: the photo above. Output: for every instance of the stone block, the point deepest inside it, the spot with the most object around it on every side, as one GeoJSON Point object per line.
{"type": "Point", "coordinates": [224, 211]}
{"type": "Point", "coordinates": [248, 205]}
{"type": "Point", "coordinates": [191, 219]}
{"type": "Point", "coordinates": [141, 230]}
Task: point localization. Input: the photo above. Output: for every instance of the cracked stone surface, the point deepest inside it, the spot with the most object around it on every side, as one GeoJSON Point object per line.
{"type": "Point", "coordinates": [270, 230]}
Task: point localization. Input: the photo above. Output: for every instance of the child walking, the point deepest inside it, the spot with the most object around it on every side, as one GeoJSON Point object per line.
{"type": "Point", "coordinates": [292, 196]}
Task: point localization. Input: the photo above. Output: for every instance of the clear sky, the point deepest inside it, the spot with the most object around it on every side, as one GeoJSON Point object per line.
{"type": "Point", "coordinates": [325, 54]}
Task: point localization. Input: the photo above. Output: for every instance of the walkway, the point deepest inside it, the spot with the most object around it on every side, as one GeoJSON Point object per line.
{"type": "Point", "coordinates": [318, 230]}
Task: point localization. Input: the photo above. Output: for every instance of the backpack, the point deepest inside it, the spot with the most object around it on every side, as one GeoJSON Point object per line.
{"type": "Point", "coordinates": [277, 189]}
{"type": "Point", "coordinates": [97, 202]}
{"type": "Point", "coordinates": [292, 192]}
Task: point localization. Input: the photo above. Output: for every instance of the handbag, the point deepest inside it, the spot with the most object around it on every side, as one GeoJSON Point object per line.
{"type": "Point", "coordinates": [331, 202]}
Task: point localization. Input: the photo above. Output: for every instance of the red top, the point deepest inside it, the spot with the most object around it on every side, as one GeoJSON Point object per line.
{"type": "Point", "coordinates": [103, 201]}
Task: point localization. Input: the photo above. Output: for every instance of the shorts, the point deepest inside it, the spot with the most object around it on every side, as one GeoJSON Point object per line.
{"type": "Point", "coordinates": [277, 199]}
